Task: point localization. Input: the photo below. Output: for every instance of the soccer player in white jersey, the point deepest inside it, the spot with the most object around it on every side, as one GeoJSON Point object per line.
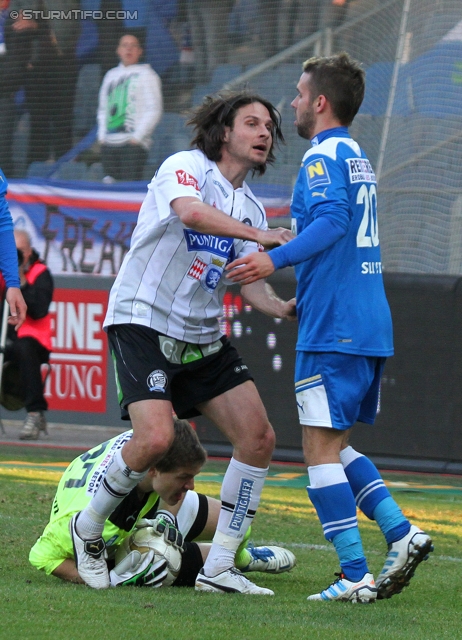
{"type": "Point", "coordinates": [166, 494]}
{"type": "Point", "coordinates": [164, 334]}
{"type": "Point", "coordinates": [345, 329]}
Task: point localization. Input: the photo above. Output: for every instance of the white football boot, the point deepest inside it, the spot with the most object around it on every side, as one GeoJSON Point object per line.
{"type": "Point", "coordinates": [89, 558]}
{"type": "Point", "coordinates": [403, 558]}
{"type": "Point", "coordinates": [344, 590]}
{"type": "Point", "coordinates": [229, 581]}
{"type": "Point", "coordinates": [270, 560]}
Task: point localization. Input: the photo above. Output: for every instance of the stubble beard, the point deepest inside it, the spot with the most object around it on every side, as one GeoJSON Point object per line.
{"type": "Point", "coordinates": [305, 125]}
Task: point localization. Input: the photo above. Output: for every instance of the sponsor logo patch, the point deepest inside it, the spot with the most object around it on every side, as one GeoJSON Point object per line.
{"type": "Point", "coordinates": [317, 173]}
{"type": "Point", "coordinates": [217, 245]}
{"type": "Point", "coordinates": [360, 170]}
{"type": "Point", "coordinates": [187, 179]}
{"type": "Point", "coordinates": [242, 504]}
{"type": "Point", "coordinates": [157, 381]}
{"type": "Point", "coordinates": [196, 269]}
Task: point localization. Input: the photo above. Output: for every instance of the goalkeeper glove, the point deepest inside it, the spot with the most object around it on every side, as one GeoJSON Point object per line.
{"type": "Point", "coordinates": [139, 570]}
{"type": "Point", "coordinates": [163, 527]}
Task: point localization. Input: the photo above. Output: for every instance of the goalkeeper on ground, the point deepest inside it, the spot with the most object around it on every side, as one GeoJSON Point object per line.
{"type": "Point", "coordinates": [166, 497]}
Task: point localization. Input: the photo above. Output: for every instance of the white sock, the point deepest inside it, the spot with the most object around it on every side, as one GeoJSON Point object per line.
{"type": "Point", "coordinates": [114, 486]}
{"type": "Point", "coordinates": [240, 496]}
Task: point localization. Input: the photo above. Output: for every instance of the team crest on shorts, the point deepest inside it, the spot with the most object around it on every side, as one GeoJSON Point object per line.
{"type": "Point", "coordinates": [157, 381]}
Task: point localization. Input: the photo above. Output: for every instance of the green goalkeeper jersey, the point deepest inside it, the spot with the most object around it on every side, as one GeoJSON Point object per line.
{"type": "Point", "coordinates": [75, 490]}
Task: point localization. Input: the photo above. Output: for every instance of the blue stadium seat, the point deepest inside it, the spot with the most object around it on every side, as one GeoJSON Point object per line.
{"type": "Point", "coordinates": [95, 172]}
{"type": "Point", "coordinates": [86, 98]}
{"type": "Point", "coordinates": [437, 81]}
{"type": "Point", "coordinates": [378, 84]}
{"type": "Point", "coordinates": [279, 84]}
{"type": "Point", "coordinates": [199, 92]}
{"type": "Point", "coordinates": [222, 74]}
{"type": "Point", "coordinates": [170, 136]}
{"type": "Point", "coordinates": [72, 171]}
{"type": "Point", "coordinates": [39, 169]}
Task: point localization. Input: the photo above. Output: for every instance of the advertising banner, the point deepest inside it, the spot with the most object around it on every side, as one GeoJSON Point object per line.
{"type": "Point", "coordinates": [77, 380]}
{"type": "Point", "coordinates": [82, 228]}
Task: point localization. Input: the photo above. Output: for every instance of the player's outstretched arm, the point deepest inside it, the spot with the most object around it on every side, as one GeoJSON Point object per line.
{"type": "Point", "coordinates": [263, 297]}
{"type": "Point", "coordinates": [204, 218]}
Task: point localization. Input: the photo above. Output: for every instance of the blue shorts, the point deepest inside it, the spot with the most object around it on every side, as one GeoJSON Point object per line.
{"type": "Point", "coordinates": [335, 390]}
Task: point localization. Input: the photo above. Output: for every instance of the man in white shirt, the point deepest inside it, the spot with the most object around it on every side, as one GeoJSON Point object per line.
{"type": "Point", "coordinates": [164, 333]}
{"type": "Point", "coordinates": [130, 107]}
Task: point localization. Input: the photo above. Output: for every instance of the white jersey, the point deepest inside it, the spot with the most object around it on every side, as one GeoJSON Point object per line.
{"type": "Point", "coordinates": [172, 279]}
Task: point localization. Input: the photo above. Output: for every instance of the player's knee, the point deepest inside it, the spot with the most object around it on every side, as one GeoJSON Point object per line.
{"type": "Point", "coordinates": [265, 440]}
{"type": "Point", "coordinates": [160, 443]}
{"type": "Point", "coordinates": [153, 445]}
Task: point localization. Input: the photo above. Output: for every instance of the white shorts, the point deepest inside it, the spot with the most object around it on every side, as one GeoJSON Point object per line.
{"type": "Point", "coordinates": [188, 512]}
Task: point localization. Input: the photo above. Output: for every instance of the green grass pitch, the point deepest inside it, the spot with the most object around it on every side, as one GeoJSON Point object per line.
{"type": "Point", "coordinates": [36, 607]}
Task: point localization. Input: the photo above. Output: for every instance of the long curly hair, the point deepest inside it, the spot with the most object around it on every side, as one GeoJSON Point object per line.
{"type": "Point", "coordinates": [219, 111]}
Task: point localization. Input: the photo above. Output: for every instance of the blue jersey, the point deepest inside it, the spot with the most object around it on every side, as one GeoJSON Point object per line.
{"type": "Point", "coordinates": [341, 302]}
{"type": "Point", "coordinates": [8, 253]}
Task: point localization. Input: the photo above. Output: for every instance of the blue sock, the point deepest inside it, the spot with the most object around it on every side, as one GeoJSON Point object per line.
{"type": "Point", "coordinates": [365, 481]}
{"type": "Point", "coordinates": [372, 496]}
{"type": "Point", "coordinates": [335, 505]}
{"type": "Point", "coordinates": [350, 552]}
{"type": "Point", "coordinates": [391, 520]}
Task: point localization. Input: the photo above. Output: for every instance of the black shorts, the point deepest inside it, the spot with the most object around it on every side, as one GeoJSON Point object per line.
{"type": "Point", "coordinates": [191, 564]}
{"type": "Point", "coordinates": [152, 366]}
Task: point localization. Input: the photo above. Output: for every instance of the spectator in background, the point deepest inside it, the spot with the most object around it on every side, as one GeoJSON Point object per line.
{"type": "Point", "coordinates": [51, 76]}
{"type": "Point", "coordinates": [208, 22]}
{"type": "Point", "coordinates": [15, 50]}
{"type": "Point", "coordinates": [130, 107]}
{"type": "Point", "coordinates": [9, 261]}
{"type": "Point", "coordinates": [30, 346]}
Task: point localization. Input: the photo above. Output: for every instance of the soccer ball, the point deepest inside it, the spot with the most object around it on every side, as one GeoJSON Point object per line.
{"type": "Point", "coordinates": [146, 559]}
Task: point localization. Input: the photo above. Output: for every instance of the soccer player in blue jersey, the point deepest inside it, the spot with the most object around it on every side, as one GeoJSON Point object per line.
{"type": "Point", "coordinates": [345, 329]}
{"type": "Point", "coordinates": [9, 260]}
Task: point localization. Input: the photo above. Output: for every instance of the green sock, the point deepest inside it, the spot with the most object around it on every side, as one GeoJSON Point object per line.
{"type": "Point", "coordinates": [243, 557]}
